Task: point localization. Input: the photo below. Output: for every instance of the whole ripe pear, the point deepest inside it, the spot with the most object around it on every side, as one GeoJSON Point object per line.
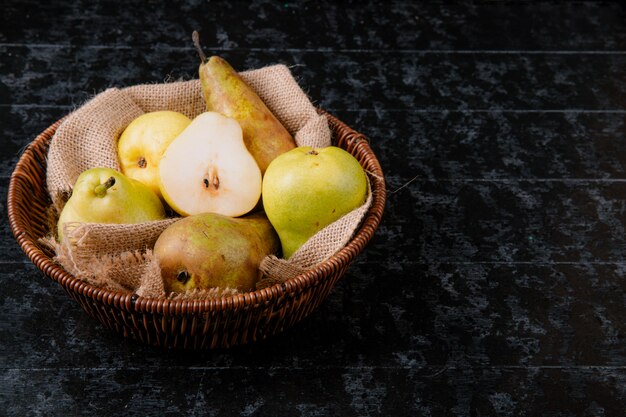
{"type": "Point", "coordinates": [226, 92]}
{"type": "Point", "coordinates": [211, 250]}
{"type": "Point", "coordinates": [306, 189]}
{"type": "Point", "coordinates": [143, 143]}
{"type": "Point", "coordinates": [104, 195]}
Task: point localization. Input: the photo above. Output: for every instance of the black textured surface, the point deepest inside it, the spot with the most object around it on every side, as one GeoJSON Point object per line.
{"type": "Point", "coordinates": [495, 284]}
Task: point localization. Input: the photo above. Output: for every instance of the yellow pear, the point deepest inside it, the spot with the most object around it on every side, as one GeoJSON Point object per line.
{"type": "Point", "coordinates": [143, 142]}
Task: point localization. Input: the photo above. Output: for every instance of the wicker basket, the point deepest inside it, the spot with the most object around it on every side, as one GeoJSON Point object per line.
{"type": "Point", "coordinates": [205, 324]}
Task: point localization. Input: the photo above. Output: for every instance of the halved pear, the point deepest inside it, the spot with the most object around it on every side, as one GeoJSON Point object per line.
{"type": "Point", "coordinates": [208, 168]}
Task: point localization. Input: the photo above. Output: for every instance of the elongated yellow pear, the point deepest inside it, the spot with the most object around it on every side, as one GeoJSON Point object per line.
{"type": "Point", "coordinates": [209, 250]}
{"type": "Point", "coordinates": [208, 168]}
{"type": "Point", "coordinates": [227, 93]}
{"type": "Point", "coordinates": [104, 195]}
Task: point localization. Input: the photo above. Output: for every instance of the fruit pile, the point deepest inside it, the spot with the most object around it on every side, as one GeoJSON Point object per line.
{"type": "Point", "coordinates": [234, 174]}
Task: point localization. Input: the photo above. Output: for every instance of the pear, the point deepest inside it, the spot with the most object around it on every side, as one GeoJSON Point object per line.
{"type": "Point", "coordinates": [143, 142]}
{"type": "Point", "coordinates": [210, 250]}
{"type": "Point", "coordinates": [227, 93]}
{"type": "Point", "coordinates": [207, 168]}
{"type": "Point", "coordinates": [306, 189]}
{"type": "Point", "coordinates": [104, 195]}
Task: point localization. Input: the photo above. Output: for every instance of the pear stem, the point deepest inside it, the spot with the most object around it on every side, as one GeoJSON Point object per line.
{"type": "Point", "coordinates": [195, 36]}
{"type": "Point", "coordinates": [101, 189]}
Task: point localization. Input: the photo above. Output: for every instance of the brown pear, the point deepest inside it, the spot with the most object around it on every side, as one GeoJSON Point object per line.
{"type": "Point", "coordinates": [226, 92]}
{"type": "Point", "coordinates": [210, 250]}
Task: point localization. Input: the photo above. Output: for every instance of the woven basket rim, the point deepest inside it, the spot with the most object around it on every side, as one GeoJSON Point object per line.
{"type": "Point", "coordinates": [132, 302]}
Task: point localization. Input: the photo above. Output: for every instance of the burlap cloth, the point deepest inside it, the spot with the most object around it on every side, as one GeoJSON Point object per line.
{"type": "Point", "coordinates": [119, 257]}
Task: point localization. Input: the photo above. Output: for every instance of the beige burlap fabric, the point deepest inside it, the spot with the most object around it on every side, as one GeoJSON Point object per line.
{"type": "Point", "coordinates": [119, 256]}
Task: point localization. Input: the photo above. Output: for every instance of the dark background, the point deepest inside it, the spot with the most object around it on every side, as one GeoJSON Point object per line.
{"type": "Point", "coordinates": [495, 283]}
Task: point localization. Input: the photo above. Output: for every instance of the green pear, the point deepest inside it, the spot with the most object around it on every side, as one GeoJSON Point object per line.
{"type": "Point", "coordinates": [226, 92]}
{"type": "Point", "coordinates": [104, 195]}
{"type": "Point", "coordinates": [211, 250]}
{"type": "Point", "coordinates": [306, 189]}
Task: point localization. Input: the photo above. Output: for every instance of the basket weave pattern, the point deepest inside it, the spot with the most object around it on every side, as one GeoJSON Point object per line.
{"type": "Point", "coordinates": [199, 324]}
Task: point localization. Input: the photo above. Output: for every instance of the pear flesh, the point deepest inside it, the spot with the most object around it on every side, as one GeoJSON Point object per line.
{"type": "Point", "coordinates": [227, 93]}
{"type": "Point", "coordinates": [208, 168]}
{"type": "Point", "coordinates": [104, 195]}
{"type": "Point", "coordinates": [210, 250]}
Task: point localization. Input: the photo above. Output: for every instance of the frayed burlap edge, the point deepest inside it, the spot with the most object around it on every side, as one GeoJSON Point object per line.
{"type": "Point", "coordinates": [120, 272]}
{"type": "Point", "coordinates": [131, 271]}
